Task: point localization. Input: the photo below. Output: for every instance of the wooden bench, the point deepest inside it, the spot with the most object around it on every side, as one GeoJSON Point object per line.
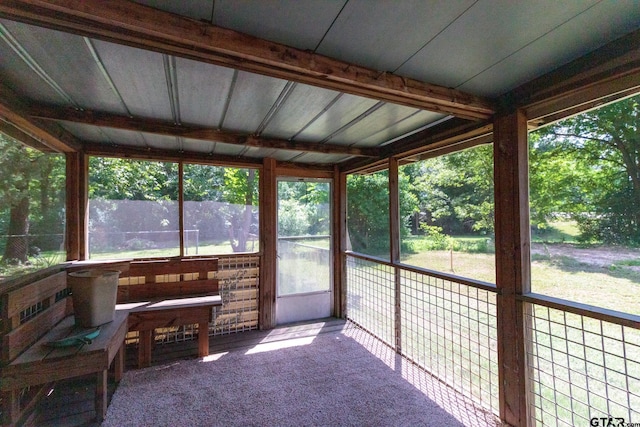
{"type": "Point", "coordinates": [39, 312]}
{"type": "Point", "coordinates": [167, 293]}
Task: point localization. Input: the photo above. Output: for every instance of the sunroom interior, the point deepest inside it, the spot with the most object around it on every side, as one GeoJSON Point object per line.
{"type": "Point", "coordinates": [279, 98]}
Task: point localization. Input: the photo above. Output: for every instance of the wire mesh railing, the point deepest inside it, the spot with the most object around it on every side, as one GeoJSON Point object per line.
{"type": "Point", "coordinates": [370, 297]}
{"type": "Point", "coordinates": [583, 369]}
{"type": "Point", "coordinates": [449, 329]}
{"type": "Point", "coordinates": [446, 327]}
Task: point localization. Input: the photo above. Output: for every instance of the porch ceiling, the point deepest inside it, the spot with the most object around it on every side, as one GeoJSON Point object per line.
{"type": "Point", "coordinates": [305, 90]}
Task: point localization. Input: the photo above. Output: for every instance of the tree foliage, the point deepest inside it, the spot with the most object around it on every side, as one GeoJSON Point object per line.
{"type": "Point", "coordinates": [596, 171]}
{"type": "Point", "coordinates": [32, 192]}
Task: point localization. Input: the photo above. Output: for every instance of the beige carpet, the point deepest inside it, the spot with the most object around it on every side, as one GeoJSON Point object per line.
{"type": "Point", "coordinates": [343, 378]}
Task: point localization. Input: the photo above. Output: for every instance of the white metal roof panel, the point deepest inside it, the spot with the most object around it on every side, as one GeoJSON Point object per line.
{"type": "Point", "coordinates": [489, 32]}
{"type": "Point", "coordinates": [301, 107]}
{"type": "Point", "coordinates": [203, 90]}
{"type": "Point", "coordinates": [195, 9]}
{"type": "Point", "coordinates": [384, 35]}
{"type": "Point", "coordinates": [405, 126]}
{"type": "Point", "coordinates": [252, 98]}
{"type": "Point", "coordinates": [139, 75]}
{"type": "Point", "coordinates": [587, 31]}
{"type": "Point", "coordinates": [198, 146]}
{"type": "Point", "coordinates": [382, 118]}
{"type": "Point", "coordinates": [300, 23]}
{"type": "Point", "coordinates": [65, 63]}
{"type": "Point", "coordinates": [345, 110]}
{"type": "Point", "coordinates": [17, 75]}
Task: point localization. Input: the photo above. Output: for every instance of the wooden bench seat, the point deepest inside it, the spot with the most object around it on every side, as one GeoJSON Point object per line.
{"type": "Point", "coordinates": [167, 293]}
{"type": "Point", "coordinates": [41, 363]}
{"type": "Point", "coordinates": [146, 316]}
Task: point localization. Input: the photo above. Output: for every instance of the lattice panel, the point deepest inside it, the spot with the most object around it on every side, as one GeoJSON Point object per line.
{"type": "Point", "coordinates": [370, 297]}
{"type": "Point", "coordinates": [581, 368]}
{"type": "Point", "coordinates": [450, 330]}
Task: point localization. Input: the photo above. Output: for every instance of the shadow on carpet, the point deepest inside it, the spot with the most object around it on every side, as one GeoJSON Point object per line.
{"type": "Point", "coordinates": [327, 380]}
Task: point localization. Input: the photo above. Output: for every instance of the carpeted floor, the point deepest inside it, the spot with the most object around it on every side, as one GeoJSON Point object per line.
{"type": "Point", "coordinates": [341, 378]}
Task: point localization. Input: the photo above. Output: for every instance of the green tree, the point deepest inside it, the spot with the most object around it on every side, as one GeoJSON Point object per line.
{"type": "Point", "coordinates": [603, 145]}
{"type": "Point", "coordinates": [455, 191]}
{"type": "Point", "coordinates": [368, 211]}
{"type": "Point", "coordinates": [32, 191]}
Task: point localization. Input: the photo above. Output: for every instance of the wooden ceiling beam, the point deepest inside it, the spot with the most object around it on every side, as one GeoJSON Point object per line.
{"type": "Point", "coordinates": [140, 26]}
{"type": "Point", "coordinates": [8, 129]}
{"type": "Point", "coordinates": [141, 153]}
{"type": "Point", "coordinates": [14, 111]}
{"type": "Point", "coordinates": [161, 127]}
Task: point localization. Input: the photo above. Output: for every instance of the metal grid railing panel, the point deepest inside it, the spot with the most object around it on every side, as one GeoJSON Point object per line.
{"type": "Point", "coordinates": [371, 298]}
{"type": "Point", "coordinates": [449, 329]}
{"type": "Point", "coordinates": [581, 368]}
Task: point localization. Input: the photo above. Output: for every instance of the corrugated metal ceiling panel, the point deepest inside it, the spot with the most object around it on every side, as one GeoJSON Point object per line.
{"type": "Point", "coordinates": [203, 90]}
{"type": "Point", "coordinates": [402, 127]}
{"type": "Point", "coordinates": [140, 77]}
{"type": "Point", "coordinates": [342, 112]}
{"type": "Point", "coordinates": [320, 158]}
{"type": "Point", "coordinates": [252, 98]}
{"type": "Point", "coordinates": [383, 117]}
{"type": "Point", "coordinates": [302, 106]}
{"type": "Point", "coordinates": [198, 146]}
{"type": "Point", "coordinates": [65, 62]}
{"type": "Point", "coordinates": [17, 75]}
{"type": "Point", "coordinates": [125, 137]}
{"type": "Point", "coordinates": [85, 132]}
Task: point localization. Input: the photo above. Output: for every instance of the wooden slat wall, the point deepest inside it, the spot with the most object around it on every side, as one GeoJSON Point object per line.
{"type": "Point", "coordinates": [28, 309]}
{"type": "Point", "coordinates": [235, 277]}
{"type": "Point", "coordinates": [239, 287]}
{"type": "Point", "coordinates": [165, 278]}
{"type": "Point", "coordinates": [16, 336]}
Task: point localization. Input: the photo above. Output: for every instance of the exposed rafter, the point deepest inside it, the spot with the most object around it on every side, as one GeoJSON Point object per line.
{"type": "Point", "coordinates": [132, 24]}
{"type": "Point", "coordinates": [161, 127]}
{"type": "Point", "coordinates": [14, 111]}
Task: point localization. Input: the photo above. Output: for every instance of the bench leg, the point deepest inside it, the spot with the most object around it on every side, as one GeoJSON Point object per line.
{"type": "Point", "coordinates": [101, 395]}
{"type": "Point", "coordinates": [144, 349]}
{"type": "Point", "coordinates": [118, 364]}
{"type": "Point", "coordinates": [203, 339]}
{"type": "Point", "coordinates": [10, 407]}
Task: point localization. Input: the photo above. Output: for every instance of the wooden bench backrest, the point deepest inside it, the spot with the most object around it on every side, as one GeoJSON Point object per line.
{"type": "Point", "coordinates": [27, 312]}
{"type": "Point", "coordinates": [168, 278]}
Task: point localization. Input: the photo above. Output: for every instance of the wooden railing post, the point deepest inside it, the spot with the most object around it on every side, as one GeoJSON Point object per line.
{"type": "Point", "coordinates": [339, 243]}
{"type": "Point", "coordinates": [513, 276]}
{"type": "Point", "coordinates": [394, 240]}
{"type": "Point", "coordinates": [268, 247]}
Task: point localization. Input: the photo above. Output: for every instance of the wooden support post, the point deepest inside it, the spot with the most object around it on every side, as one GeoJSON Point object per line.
{"type": "Point", "coordinates": [181, 206]}
{"type": "Point", "coordinates": [394, 240]}
{"type": "Point", "coordinates": [269, 244]}
{"type": "Point", "coordinates": [513, 275]}
{"type": "Point", "coordinates": [72, 201]}
{"type": "Point", "coordinates": [83, 205]}
{"type": "Point", "coordinates": [339, 242]}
